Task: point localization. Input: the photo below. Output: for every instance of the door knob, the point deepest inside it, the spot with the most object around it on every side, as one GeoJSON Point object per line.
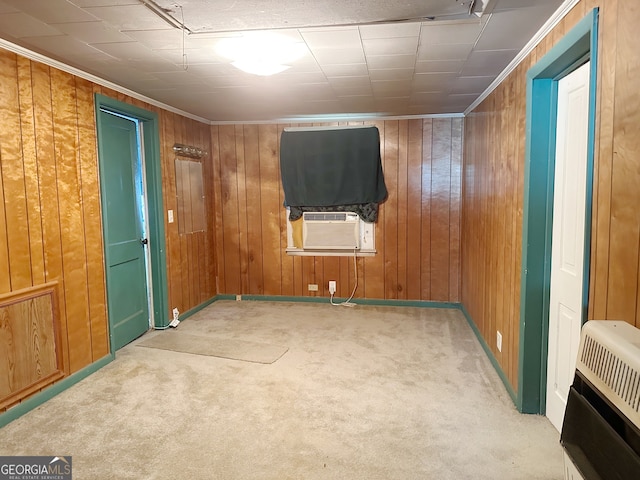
{"type": "Point", "coordinates": [144, 241]}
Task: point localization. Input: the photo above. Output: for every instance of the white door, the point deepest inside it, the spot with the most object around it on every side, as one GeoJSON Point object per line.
{"type": "Point", "coordinates": [567, 249]}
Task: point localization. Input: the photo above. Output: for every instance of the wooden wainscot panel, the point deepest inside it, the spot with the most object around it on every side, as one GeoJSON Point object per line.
{"type": "Point", "coordinates": [30, 342]}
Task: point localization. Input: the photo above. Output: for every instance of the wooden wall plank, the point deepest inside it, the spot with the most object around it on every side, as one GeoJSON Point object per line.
{"type": "Point", "coordinates": [440, 198]}
{"type": "Point", "coordinates": [425, 230]}
{"type": "Point", "coordinates": [624, 232]}
{"type": "Point", "coordinates": [15, 205]}
{"type": "Point", "coordinates": [185, 271]}
{"type": "Point", "coordinates": [230, 248]}
{"type": "Point", "coordinates": [31, 174]}
{"type": "Point", "coordinates": [219, 231]}
{"type": "Point", "coordinates": [414, 208]}
{"type": "Point", "coordinates": [71, 220]}
{"type": "Point", "coordinates": [404, 261]}
{"type": "Point", "coordinates": [374, 267]}
{"type": "Point", "coordinates": [288, 269]}
{"type": "Point", "coordinates": [48, 181]}
{"type": "Point", "coordinates": [254, 227]}
{"type": "Point", "coordinates": [603, 167]}
{"type": "Point", "coordinates": [270, 209]}
{"type": "Point", "coordinates": [91, 211]}
{"type": "Point", "coordinates": [455, 179]}
{"type": "Point", "coordinates": [390, 149]}
{"type": "Point", "coordinates": [171, 204]}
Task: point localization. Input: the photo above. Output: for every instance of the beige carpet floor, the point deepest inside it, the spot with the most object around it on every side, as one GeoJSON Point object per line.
{"type": "Point", "coordinates": [362, 393]}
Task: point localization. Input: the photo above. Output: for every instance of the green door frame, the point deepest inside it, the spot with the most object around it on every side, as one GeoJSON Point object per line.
{"type": "Point", "coordinates": [573, 50]}
{"type": "Point", "coordinates": [153, 173]}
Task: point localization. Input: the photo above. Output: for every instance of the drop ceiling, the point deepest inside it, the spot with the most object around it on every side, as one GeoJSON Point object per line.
{"type": "Point", "coordinates": [381, 58]}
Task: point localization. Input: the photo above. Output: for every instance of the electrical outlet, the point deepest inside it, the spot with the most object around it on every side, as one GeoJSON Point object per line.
{"type": "Point", "coordinates": [313, 287]}
{"type": "Point", "coordinates": [499, 340]}
{"type": "Point", "coordinates": [332, 286]}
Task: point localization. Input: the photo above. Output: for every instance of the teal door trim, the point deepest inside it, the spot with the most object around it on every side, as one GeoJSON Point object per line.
{"type": "Point", "coordinates": [574, 49]}
{"type": "Point", "coordinates": [155, 220]}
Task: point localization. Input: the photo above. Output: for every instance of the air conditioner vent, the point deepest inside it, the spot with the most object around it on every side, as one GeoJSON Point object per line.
{"type": "Point", "coordinates": [325, 216]}
{"type": "Point", "coordinates": [609, 358]}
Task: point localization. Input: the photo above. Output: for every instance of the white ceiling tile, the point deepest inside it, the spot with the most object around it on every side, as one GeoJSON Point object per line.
{"type": "Point", "coordinates": [436, 34]}
{"type": "Point", "coordinates": [358, 104]}
{"type": "Point", "coordinates": [487, 62]}
{"type": "Point", "coordinates": [329, 38]}
{"type": "Point", "coordinates": [167, 38]}
{"type": "Point", "coordinates": [333, 56]}
{"type": "Point", "coordinates": [103, 3]}
{"type": "Point", "coordinates": [93, 32]}
{"type": "Point", "coordinates": [353, 91]}
{"type": "Point", "coordinates": [385, 46]}
{"type": "Point", "coordinates": [467, 85]}
{"type": "Point", "coordinates": [60, 46]}
{"type": "Point", "coordinates": [426, 98]}
{"type": "Point", "coordinates": [349, 70]}
{"type": "Point", "coordinates": [445, 52]}
{"type": "Point", "coordinates": [391, 61]}
{"type": "Point", "coordinates": [511, 29]}
{"type": "Point", "coordinates": [193, 56]}
{"type": "Point", "coordinates": [125, 50]}
{"type": "Point", "coordinates": [179, 77]}
{"type": "Point", "coordinates": [390, 87]}
{"type": "Point", "coordinates": [390, 30]}
{"type": "Point", "coordinates": [391, 74]}
{"type": "Point", "coordinates": [439, 66]}
{"type": "Point", "coordinates": [392, 105]}
{"type": "Point", "coordinates": [301, 78]}
{"type": "Point", "coordinates": [129, 17]}
{"type": "Point", "coordinates": [429, 82]}
{"type": "Point", "coordinates": [52, 11]}
{"type": "Point", "coordinates": [343, 82]}
{"type": "Point", "coordinates": [510, 4]}
{"type": "Point", "coordinates": [20, 25]}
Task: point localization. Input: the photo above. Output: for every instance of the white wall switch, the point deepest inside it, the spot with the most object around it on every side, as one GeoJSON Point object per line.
{"type": "Point", "coordinates": [170, 216]}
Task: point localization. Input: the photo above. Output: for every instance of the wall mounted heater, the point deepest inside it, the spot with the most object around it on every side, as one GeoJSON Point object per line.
{"type": "Point", "coordinates": [330, 231]}
{"type": "Point", "coordinates": [601, 429]}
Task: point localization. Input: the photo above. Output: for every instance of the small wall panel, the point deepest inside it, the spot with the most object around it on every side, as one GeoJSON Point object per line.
{"type": "Point", "coordinates": [30, 342]}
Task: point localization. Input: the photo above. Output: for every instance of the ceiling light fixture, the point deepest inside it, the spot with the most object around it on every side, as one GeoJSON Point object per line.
{"type": "Point", "coordinates": [261, 53]}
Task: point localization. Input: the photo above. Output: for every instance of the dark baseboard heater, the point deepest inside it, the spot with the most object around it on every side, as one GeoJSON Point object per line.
{"type": "Point", "coordinates": [601, 429]}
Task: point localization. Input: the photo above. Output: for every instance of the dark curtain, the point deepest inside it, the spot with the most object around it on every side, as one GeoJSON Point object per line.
{"type": "Point", "coordinates": [333, 168]}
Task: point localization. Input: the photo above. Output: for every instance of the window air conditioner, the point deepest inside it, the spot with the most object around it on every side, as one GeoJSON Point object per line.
{"type": "Point", "coordinates": [330, 231]}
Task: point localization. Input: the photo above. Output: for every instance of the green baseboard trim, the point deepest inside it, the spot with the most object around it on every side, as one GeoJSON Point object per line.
{"type": "Point", "coordinates": [357, 301]}
{"type": "Point", "coordinates": [492, 358]}
{"type": "Point", "coordinates": [49, 392]}
{"type": "Point", "coordinates": [197, 308]}
{"type": "Point", "coordinates": [224, 296]}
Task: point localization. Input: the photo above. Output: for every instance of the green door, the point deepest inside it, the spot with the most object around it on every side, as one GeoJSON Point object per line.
{"type": "Point", "coordinates": [125, 243]}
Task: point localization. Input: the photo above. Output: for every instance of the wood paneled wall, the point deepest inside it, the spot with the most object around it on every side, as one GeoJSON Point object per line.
{"type": "Point", "coordinates": [190, 256]}
{"type": "Point", "coordinates": [494, 177]}
{"type": "Point", "coordinates": [417, 234]}
{"type": "Point", "coordinates": [50, 228]}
